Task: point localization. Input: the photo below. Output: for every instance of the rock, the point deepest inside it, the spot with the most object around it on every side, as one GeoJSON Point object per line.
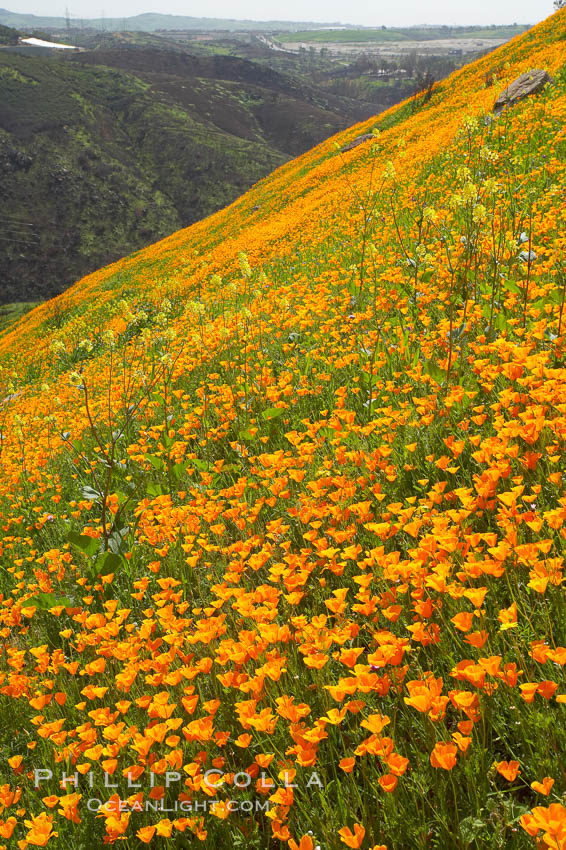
{"type": "Point", "coordinates": [358, 141]}
{"type": "Point", "coordinates": [17, 160]}
{"type": "Point", "coordinates": [527, 256]}
{"type": "Point", "coordinates": [527, 84]}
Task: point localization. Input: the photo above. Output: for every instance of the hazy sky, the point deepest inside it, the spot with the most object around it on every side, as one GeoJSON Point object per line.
{"type": "Point", "coordinates": [376, 13]}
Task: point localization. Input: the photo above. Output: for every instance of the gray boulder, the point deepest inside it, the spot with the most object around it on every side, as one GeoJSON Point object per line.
{"type": "Point", "coordinates": [357, 141]}
{"type": "Point", "coordinates": [527, 84]}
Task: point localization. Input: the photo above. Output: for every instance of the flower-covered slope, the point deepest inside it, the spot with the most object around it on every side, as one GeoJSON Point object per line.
{"type": "Point", "coordinates": [283, 504]}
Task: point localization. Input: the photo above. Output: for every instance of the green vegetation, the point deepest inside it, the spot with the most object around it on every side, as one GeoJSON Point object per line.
{"type": "Point", "coordinates": [109, 149]}
{"type": "Point", "coordinates": [10, 313]}
{"type": "Point", "coordinates": [8, 35]}
{"type": "Point", "coordinates": [149, 22]}
{"type": "Point", "coordinates": [383, 34]}
{"type": "Point", "coordinates": [284, 505]}
{"type": "Point", "coordinates": [344, 35]}
{"type": "Point", "coordinates": [106, 151]}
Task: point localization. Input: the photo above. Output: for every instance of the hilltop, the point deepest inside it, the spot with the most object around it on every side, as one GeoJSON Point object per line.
{"type": "Point", "coordinates": [283, 503]}
{"type": "Point", "coordinates": [149, 22]}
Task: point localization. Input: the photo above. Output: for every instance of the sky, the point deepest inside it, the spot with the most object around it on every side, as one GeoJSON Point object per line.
{"type": "Point", "coordinates": [364, 12]}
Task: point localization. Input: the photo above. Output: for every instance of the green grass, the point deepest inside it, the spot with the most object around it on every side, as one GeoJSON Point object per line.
{"type": "Point", "coordinates": [10, 313]}
{"type": "Point", "coordinates": [378, 36]}
{"type": "Point", "coordinates": [343, 36]}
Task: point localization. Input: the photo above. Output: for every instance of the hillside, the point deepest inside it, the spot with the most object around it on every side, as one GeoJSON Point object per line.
{"type": "Point", "coordinates": [105, 151]}
{"type": "Point", "coordinates": [8, 35]}
{"type": "Point", "coordinates": [283, 504]}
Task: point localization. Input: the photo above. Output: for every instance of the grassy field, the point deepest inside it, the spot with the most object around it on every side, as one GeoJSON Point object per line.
{"type": "Point", "coordinates": [343, 36]}
{"type": "Point", "coordinates": [10, 313]}
{"type": "Point", "coordinates": [379, 35]}
{"type": "Point", "coordinates": [283, 503]}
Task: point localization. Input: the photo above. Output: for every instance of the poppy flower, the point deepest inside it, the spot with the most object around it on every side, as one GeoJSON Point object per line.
{"type": "Point", "coordinates": [352, 839]}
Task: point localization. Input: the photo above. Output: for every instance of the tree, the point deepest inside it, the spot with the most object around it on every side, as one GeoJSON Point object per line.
{"type": "Point", "coordinates": [8, 35]}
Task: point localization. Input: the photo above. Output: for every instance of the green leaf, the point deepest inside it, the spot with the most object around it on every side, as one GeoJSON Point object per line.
{"type": "Point", "coordinates": [464, 402]}
{"type": "Point", "coordinates": [108, 563]}
{"type": "Point", "coordinates": [245, 435]}
{"type": "Point", "coordinates": [469, 828]}
{"type": "Point", "coordinates": [539, 304]}
{"type": "Point", "coordinates": [90, 494]}
{"type": "Point", "coordinates": [511, 286]}
{"type": "Point", "coordinates": [500, 322]}
{"type": "Point", "coordinates": [154, 490]}
{"type": "Point", "coordinates": [116, 540]}
{"type": "Point", "coordinates": [156, 462]}
{"type": "Point", "coordinates": [88, 545]}
{"type": "Point", "coordinates": [122, 497]}
{"type": "Point", "coordinates": [272, 413]}
{"type": "Point", "coordinates": [436, 373]}
{"type": "Point", "coordinates": [120, 470]}
{"type": "Point", "coordinates": [178, 470]}
{"type": "Point", "coordinates": [45, 601]}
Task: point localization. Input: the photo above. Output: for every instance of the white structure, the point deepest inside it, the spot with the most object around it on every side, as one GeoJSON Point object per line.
{"type": "Point", "coordinates": [38, 42]}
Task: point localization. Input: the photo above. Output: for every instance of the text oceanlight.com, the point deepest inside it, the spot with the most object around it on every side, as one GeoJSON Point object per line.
{"type": "Point", "coordinates": [185, 806]}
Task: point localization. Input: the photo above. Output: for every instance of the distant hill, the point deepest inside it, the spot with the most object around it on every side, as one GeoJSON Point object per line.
{"type": "Point", "coordinates": [8, 35]}
{"type": "Point", "coordinates": [150, 22]}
